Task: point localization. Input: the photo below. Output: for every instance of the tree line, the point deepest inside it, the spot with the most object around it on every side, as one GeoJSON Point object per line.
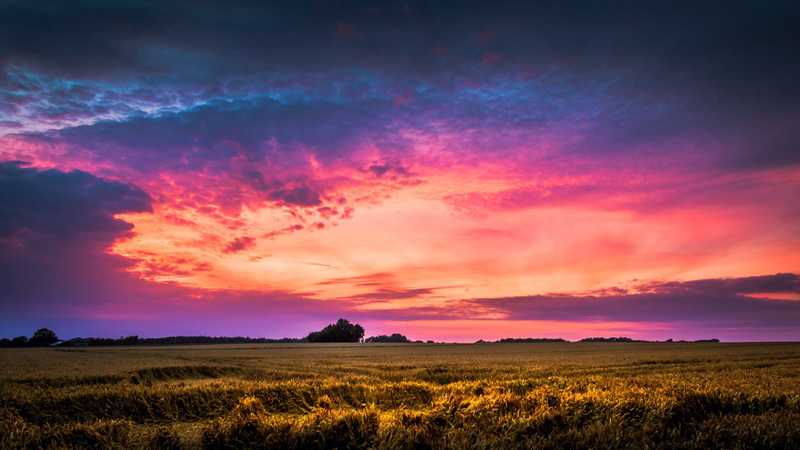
{"type": "Point", "coordinates": [341, 331]}
{"type": "Point", "coordinates": [44, 337]}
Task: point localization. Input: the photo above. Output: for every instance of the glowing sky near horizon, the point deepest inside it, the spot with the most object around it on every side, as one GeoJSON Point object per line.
{"type": "Point", "coordinates": [448, 171]}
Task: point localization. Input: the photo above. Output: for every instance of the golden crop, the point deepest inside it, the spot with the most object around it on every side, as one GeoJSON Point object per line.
{"type": "Point", "coordinates": [489, 396]}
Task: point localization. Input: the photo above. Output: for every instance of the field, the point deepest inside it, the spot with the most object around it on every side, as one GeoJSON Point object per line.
{"type": "Point", "coordinates": [492, 396]}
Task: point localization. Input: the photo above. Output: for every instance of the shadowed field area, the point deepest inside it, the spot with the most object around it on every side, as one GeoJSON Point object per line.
{"type": "Point", "coordinates": [556, 395]}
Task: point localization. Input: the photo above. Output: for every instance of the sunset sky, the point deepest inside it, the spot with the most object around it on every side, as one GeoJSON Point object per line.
{"type": "Point", "coordinates": [447, 170]}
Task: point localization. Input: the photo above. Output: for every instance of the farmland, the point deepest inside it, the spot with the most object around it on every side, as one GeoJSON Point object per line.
{"type": "Point", "coordinates": [551, 395]}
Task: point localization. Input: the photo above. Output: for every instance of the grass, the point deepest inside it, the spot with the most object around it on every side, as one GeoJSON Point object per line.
{"type": "Point", "coordinates": [383, 396]}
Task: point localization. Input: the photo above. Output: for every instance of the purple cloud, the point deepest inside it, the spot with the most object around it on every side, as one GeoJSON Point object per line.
{"type": "Point", "coordinates": [712, 303]}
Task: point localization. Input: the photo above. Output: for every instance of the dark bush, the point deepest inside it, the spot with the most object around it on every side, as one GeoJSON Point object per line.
{"type": "Point", "coordinates": [341, 331]}
{"type": "Point", "coordinates": [43, 337]}
{"type": "Point", "coordinates": [394, 338]}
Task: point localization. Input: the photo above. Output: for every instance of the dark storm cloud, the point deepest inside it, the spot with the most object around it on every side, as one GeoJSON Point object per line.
{"type": "Point", "coordinates": [726, 69]}
{"type": "Point", "coordinates": [78, 39]}
{"type": "Point", "coordinates": [718, 302]}
{"type": "Point", "coordinates": [63, 204]}
{"type": "Point", "coordinates": [724, 45]}
{"type": "Point", "coordinates": [705, 36]}
{"type": "Point", "coordinates": [55, 228]}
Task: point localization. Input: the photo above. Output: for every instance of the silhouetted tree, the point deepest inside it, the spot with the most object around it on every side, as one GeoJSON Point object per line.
{"type": "Point", "coordinates": [129, 340]}
{"type": "Point", "coordinates": [394, 338]}
{"type": "Point", "coordinates": [19, 341]}
{"type": "Point", "coordinates": [43, 337]}
{"type": "Point", "coordinates": [341, 331]}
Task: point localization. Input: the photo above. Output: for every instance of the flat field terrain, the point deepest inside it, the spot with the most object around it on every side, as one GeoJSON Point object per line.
{"type": "Point", "coordinates": [492, 396]}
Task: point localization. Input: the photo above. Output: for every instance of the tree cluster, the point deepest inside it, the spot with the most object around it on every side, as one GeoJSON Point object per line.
{"type": "Point", "coordinates": [394, 338]}
{"type": "Point", "coordinates": [40, 338]}
{"type": "Point", "coordinates": [341, 331]}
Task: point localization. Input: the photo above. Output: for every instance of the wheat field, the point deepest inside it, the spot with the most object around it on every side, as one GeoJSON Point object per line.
{"type": "Point", "coordinates": [408, 396]}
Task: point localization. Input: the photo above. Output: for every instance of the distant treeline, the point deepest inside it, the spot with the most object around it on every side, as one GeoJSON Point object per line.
{"type": "Point", "coordinates": [627, 339]}
{"type": "Point", "coordinates": [40, 338]}
{"type": "Point", "coordinates": [182, 340]}
{"type": "Point", "coordinates": [589, 339]}
{"type": "Point", "coordinates": [522, 341]}
{"type": "Point", "coordinates": [610, 339]}
{"type": "Point", "coordinates": [23, 341]}
{"type": "Point", "coordinates": [341, 331]}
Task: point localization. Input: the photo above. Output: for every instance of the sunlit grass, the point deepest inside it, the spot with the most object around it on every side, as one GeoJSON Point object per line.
{"type": "Point", "coordinates": [406, 396]}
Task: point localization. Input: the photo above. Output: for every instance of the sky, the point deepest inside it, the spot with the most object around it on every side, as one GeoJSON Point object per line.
{"type": "Point", "coordinates": [450, 170]}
